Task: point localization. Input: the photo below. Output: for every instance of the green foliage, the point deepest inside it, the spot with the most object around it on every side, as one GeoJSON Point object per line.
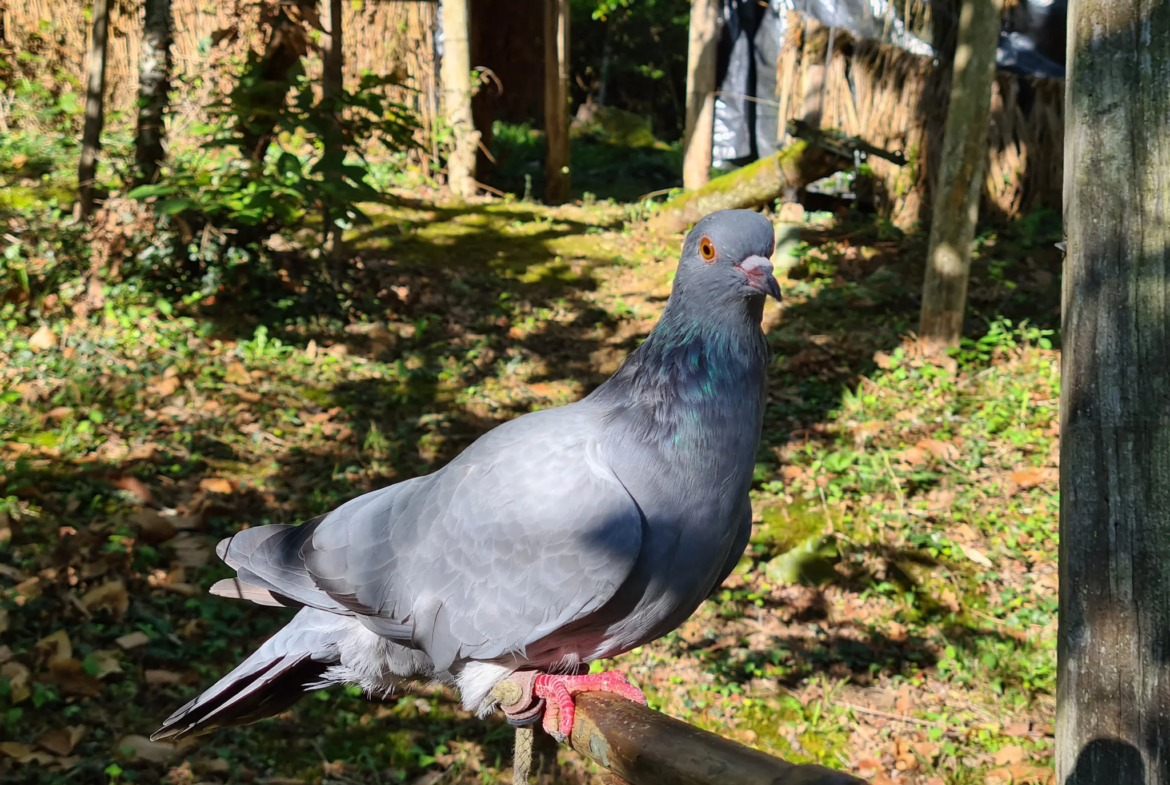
{"type": "Point", "coordinates": [646, 70]}
{"type": "Point", "coordinates": [313, 165]}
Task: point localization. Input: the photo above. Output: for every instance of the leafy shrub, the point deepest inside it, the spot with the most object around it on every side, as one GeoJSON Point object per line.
{"type": "Point", "coordinates": [314, 165]}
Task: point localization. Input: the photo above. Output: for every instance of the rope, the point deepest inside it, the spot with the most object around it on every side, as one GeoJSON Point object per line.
{"type": "Point", "coordinates": [522, 755]}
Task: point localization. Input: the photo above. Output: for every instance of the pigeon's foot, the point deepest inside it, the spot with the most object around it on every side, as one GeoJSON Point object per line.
{"type": "Point", "coordinates": [558, 693]}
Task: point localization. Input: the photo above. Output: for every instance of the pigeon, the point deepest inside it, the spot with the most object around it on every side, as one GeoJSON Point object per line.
{"type": "Point", "coordinates": [558, 538]}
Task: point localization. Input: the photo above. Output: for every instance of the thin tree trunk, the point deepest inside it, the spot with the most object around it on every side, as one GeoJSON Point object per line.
{"type": "Point", "coordinates": [456, 75]}
{"type": "Point", "coordinates": [556, 101]}
{"type": "Point", "coordinates": [1113, 662]}
{"type": "Point", "coordinates": [154, 82]}
{"type": "Point", "coordinates": [700, 120]}
{"type": "Point", "coordinates": [95, 94]}
{"type": "Point", "coordinates": [960, 177]}
{"type": "Point", "coordinates": [332, 54]}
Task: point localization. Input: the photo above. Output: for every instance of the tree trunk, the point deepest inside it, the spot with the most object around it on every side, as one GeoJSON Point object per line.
{"type": "Point", "coordinates": [1113, 686]}
{"type": "Point", "coordinates": [332, 54]}
{"type": "Point", "coordinates": [154, 82]}
{"type": "Point", "coordinates": [960, 177]}
{"type": "Point", "coordinates": [95, 95]}
{"type": "Point", "coordinates": [556, 101]}
{"type": "Point", "coordinates": [700, 121]}
{"type": "Point", "coordinates": [754, 185]}
{"type": "Point", "coordinates": [456, 74]}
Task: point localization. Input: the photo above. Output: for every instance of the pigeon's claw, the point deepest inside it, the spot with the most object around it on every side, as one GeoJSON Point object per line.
{"type": "Point", "coordinates": [558, 693]}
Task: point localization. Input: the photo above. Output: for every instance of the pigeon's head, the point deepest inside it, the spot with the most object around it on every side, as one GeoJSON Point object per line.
{"type": "Point", "coordinates": [725, 257]}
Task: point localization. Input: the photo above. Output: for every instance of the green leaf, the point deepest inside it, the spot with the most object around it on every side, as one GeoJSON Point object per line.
{"type": "Point", "coordinates": [177, 205]}
{"type": "Point", "coordinates": [147, 191]}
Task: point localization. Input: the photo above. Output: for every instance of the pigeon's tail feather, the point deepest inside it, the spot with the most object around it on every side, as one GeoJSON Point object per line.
{"type": "Point", "coordinates": [291, 663]}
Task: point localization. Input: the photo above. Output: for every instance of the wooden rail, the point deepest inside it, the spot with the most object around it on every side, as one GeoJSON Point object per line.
{"type": "Point", "coordinates": [645, 747]}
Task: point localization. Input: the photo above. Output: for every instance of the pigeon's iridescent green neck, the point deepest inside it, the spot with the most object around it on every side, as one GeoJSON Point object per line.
{"type": "Point", "coordinates": [699, 374]}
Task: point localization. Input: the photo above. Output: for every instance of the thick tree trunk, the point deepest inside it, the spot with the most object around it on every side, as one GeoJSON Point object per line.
{"type": "Point", "coordinates": [960, 177]}
{"type": "Point", "coordinates": [556, 101]}
{"type": "Point", "coordinates": [456, 74]}
{"type": "Point", "coordinates": [95, 99]}
{"type": "Point", "coordinates": [332, 54]}
{"type": "Point", "coordinates": [1113, 687]}
{"type": "Point", "coordinates": [154, 82]}
{"type": "Point", "coordinates": [700, 122]}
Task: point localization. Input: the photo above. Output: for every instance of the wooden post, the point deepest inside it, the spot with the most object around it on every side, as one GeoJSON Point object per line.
{"type": "Point", "coordinates": [333, 54]}
{"type": "Point", "coordinates": [556, 101]}
{"type": "Point", "coordinates": [154, 81]}
{"type": "Point", "coordinates": [95, 98]}
{"type": "Point", "coordinates": [955, 206]}
{"type": "Point", "coordinates": [700, 121]}
{"type": "Point", "coordinates": [456, 75]}
{"type": "Point", "coordinates": [645, 747]}
{"type": "Point", "coordinates": [1113, 686]}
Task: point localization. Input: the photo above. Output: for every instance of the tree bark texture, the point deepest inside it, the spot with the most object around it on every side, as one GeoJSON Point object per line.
{"type": "Point", "coordinates": [456, 74]}
{"type": "Point", "coordinates": [700, 121]}
{"type": "Point", "coordinates": [154, 82]}
{"type": "Point", "coordinates": [333, 54]}
{"type": "Point", "coordinates": [960, 177]}
{"type": "Point", "coordinates": [1113, 687]}
{"type": "Point", "coordinates": [95, 95]}
{"type": "Point", "coordinates": [556, 101]}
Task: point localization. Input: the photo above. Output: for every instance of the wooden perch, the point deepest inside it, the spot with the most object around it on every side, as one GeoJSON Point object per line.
{"type": "Point", "coordinates": [645, 747]}
{"type": "Point", "coordinates": [815, 154]}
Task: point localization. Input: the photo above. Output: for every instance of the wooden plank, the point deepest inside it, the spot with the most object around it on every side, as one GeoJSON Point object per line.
{"type": "Point", "coordinates": [645, 747]}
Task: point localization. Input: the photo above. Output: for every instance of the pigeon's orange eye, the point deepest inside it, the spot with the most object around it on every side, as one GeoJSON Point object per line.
{"type": "Point", "coordinates": [707, 250]}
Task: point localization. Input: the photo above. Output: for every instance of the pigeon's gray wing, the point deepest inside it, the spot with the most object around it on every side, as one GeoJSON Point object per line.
{"type": "Point", "coordinates": [525, 532]}
{"type": "Point", "coordinates": [743, 535]}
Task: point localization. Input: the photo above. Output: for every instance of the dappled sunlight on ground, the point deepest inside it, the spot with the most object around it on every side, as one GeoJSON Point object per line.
{"type": "Point", "coordinates": [895, 614]}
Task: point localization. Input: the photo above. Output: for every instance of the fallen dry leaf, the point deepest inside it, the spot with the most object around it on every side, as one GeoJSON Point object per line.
{"type": "Point", "coordinates": [1030, 478]}
{"type": "Point", "coordinates": [18, 677]}
{"type": "Point", "coordinates": [109, 660]}
{"type": "Point", "coordinates": [977, 556]}
{"type": "Point", "coordinates": [165, 387]}
{"type": "Point", "coordinates": [153, 528]}
{"type": "Point", "coordinates": [915, 456]}
{"type": "Point", "coordinates": [54, 649]}
{"type": "Point", "coordinates": [111, 596]}
{"type": "Point", "coordinates": [132, 640]}
{"type": "Point", "coordinates": [215, 485]}
{"type": "Point", "coordinates": [73, 682]}
{"type": "Point", "coordinates": [42, 339]}
{"type": "Point", "coordinates": [1020, 775]}
{"type": "Point", "coordinates": [3, 620]}
{"type": "Point", "coordinates": [237, 374]}
{"type": "Point", "coordinates": [1013, 753]}
{"type": "Point", "coordinates": [192, 550]}
{"type": "Point", "coordinates": [154, 676]}
{"type": "Point", "coordinates": [944, 451]}
{"type": "Point", "coordinates": [62, 740]}
{"type": "Point", "coordinates": [134, 746]}
{"type": "Point", "coordinates": [125, 482]}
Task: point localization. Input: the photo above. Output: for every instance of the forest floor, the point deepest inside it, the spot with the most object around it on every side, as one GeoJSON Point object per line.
{"type": "Point", "coordinates": [895, 616]}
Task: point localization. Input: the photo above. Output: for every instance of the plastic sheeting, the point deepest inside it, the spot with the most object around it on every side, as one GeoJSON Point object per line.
{"type": "Point", "coordinates": [746, 110]}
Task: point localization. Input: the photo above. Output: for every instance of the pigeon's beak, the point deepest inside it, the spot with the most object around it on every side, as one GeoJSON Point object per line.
{"type": "Point", "coordinates": [758, 272]}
